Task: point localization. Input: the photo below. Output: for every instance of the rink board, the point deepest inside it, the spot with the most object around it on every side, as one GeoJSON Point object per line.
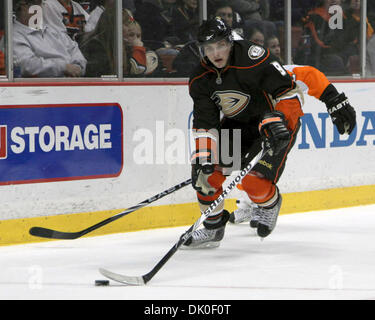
{"type": "Point", "coordinates": [324, 170]}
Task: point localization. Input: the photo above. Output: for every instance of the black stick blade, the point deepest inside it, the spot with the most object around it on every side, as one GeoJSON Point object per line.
{"type": "Point", "coordinates": [53, 234]}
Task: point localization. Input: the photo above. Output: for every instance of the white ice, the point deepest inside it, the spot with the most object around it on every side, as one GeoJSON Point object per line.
{"type": "Point", "coordinates": [315, 255]}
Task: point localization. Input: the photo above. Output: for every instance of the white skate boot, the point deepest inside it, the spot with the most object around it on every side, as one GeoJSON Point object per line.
{"type": "Point", "coordinates": [267, 218]}
{"type": "Point", "coordinates": [209, 236]}
{"type": "Point", "coordinates": [247, 211]}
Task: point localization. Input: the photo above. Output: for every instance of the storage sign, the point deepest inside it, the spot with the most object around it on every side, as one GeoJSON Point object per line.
{"type": "Point", "coordinates": [40, 143]}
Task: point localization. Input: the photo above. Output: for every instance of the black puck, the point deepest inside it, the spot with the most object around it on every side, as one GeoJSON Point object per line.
{"type": "Point", "coordinates": [102, 282]}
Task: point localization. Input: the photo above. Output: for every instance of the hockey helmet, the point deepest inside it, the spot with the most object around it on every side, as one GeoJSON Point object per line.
{"type": "Point", "coordinates": [213, 30]}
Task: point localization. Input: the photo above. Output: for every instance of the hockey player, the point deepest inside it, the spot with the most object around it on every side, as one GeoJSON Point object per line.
{"type": "Point", "coordinates": [255, 94]}
{"type": "Point", "coordinates": [314, 83]}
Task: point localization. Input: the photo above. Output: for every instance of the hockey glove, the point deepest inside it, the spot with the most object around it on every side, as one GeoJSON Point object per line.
{"type": "Point", "coordinates": [199, 175]}
{"type": "Point", "coordinates": [274, 132]}
{"type": "Point", "coordinates": [342, 113]}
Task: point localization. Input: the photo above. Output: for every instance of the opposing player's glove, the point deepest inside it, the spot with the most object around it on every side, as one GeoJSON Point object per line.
{"type": "Point", "coordinates": [274, 132]}
{"type": "Point", "coordinates": [200, 175]}
{"type": "Point", "coordinates": [342, 113]}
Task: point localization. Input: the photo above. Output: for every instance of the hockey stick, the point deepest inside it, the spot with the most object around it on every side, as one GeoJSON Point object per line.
{"type": "Point", "coordinates": [142, 280]}
{"type": "Point", "coordinates": [53, 234]}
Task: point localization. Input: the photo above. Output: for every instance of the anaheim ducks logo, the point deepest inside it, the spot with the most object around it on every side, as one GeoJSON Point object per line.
{"type": "Point", "coordinates": [231, 103]}
{"type": "Point", "coordinates": [255, 52]}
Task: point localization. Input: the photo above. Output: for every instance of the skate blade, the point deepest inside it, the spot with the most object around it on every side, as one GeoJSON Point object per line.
{"type": "Point", "coordinates": [206, 245]}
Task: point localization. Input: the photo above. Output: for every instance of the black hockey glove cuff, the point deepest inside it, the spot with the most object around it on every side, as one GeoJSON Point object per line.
{"type": "Point", "coordinates": [342, 113]}
{"type": "Point", "coordinates": [274, 132]}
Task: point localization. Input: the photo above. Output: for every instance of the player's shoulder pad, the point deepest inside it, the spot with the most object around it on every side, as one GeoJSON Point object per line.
{"type": "Point", "coordinates": [250, 53]}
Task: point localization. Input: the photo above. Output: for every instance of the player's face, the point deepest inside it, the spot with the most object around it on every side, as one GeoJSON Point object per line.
{"type": "Point", "coordinates": [218, 53]}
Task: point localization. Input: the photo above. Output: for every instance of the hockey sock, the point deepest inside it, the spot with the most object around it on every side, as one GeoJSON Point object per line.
{"type": "Point", "coordinates": [260, 190]}
{"type": "Point", "coordinates": [217, 221]}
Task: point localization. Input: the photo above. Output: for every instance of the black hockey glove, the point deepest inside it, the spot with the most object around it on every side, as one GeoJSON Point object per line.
{"type": "Point", "coordinates": [274, 132]}
{"type": "Point", "coordinates": [199, 176]}
{"type": "Point", "coordinates": [342, 113]}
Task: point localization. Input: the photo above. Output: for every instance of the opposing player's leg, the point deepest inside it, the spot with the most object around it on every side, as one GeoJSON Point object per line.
{"type": "Point", "coordinates": [246, 210]}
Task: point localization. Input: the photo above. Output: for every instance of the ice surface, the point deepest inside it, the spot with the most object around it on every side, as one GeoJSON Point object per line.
{"type": "Point", "coordinates": [315, 255]}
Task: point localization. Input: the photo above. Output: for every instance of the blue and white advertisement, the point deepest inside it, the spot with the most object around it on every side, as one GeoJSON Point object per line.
{"type": "Point", "coordinates": [44, 143]}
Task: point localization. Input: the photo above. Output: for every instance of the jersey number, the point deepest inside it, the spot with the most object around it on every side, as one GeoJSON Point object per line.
{"type": "Point", "coordinates": [279, 68]}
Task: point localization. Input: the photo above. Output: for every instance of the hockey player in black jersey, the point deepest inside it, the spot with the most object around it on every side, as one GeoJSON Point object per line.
{"type": "Point", "coordinates": [245, 84]}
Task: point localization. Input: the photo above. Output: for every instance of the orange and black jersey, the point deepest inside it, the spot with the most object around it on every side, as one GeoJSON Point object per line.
{"type": "Point", "coordinates": [252, 84]}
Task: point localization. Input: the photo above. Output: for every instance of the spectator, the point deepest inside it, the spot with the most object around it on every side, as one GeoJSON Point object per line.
{"type": "Point", "coordinates": [299, 10]}
{"type": "Point", "coordinates": [2, 56]}
{"type": "Point", "coordinates": [141, 61]}
{"type": "Point", "coordinates": [2, 46]}
{"type": "Point", "coordinates": [224, 10]}
{"type": "Point", "coordinates": [69, 16]}
{"type": "Point", "coordinates": [99, 48]}
{"type": "Point", "coordinates": [129, 4]}
{"type": "Point", "coordinates": [187, 59]}
{"type": "Point", "coordinates": [352, 25]}
{"type": "Point", "coordinates": [257, 36]}
{"type": "Point", "coordinates": [155, 18]}
{"type": "Point", "coordinates": [255, 14]}
{"type": "Point", "coordinates": [321, 45]}
{"type": "Point", "coordinates": [40, 51]}
{"type": "Point", "coordinates": [97, 8]}
{"type": "Point", "coordinates": [371, 12]}
{"type": "Point", "coordinates": [185, 20]}
{"type": "Point", "coordinates": [273, 44]}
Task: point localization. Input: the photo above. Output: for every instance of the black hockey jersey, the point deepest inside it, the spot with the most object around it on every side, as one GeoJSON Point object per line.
{"type": "Point", "coordinates": [252, 84]}
{"type": "Point", "coordinates": [242, 90]}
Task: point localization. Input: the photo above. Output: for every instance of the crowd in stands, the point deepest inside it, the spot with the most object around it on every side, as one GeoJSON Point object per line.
{"type": "Point", "coordinates": [2, 43]}
{"type": "Point", "coordinates": [78, 38]}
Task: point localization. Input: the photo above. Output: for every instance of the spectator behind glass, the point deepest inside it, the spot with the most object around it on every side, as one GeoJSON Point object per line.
{"type": "Point", "coordinates": [257, 36]}
{"type": "Point", "coordinates": [352, 26]}
{"type": "Point", "coordinates": [2, 46]}
{"type": "Point", "coordinates": [322, 46]}
{"type": "Point", "coordinates": [299, 9]}
{"type": "Point", "coordinates": [371, 12]}
{"type": "Point", "coordinates": [255, 14]}
{"type": "Point", "coordinates": [155, 18]}
{"type": "Point", "coordinates": [69, 16]}
{"type": "Point", "coordinates": [141, 61]}
{"type": "Point", "coordinates": [224, 10]}
{"type": "Point", "coordinates": [99, 48]}
{"type": "Point", "coordinates": [273, 44]}
{"type": "Point", "coordinates": [185, 20]}
{"type": "Point", "coordinates": [2, 55]}
{"type": "Point", "coordinates": [40, 51]}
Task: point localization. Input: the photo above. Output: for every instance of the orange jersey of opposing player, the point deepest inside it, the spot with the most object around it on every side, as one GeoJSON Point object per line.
{"type": "Point", "coordinates": [309, 79]}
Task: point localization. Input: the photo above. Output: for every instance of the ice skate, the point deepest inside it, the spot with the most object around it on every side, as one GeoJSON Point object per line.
{"type": "Point", "coordinates": [267, 218]}
{"type": "Point", "coordinates": [247, 211]}
{"type": "Point", "coordinates": [209, 236]}
{"type": "Point", "coordinates": [255, 217]}
{"type": "Point", "coordinates": [244, 210]}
